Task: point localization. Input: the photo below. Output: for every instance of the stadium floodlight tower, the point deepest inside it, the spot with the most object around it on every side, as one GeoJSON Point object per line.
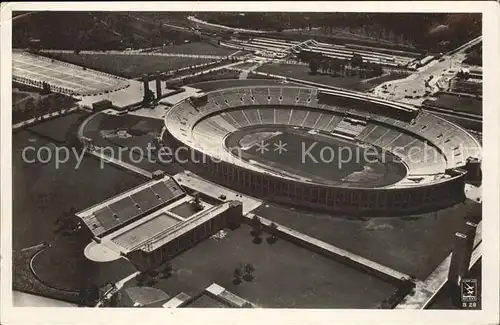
{"type": "Point", "coordinates": [158, 84]}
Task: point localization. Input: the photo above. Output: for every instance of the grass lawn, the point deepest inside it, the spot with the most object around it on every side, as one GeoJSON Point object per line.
{"type": "Point", "coordinates": [285, 275]}
{"type": "Point", "coordinates": [458, 103]}
{"type": "Point", "coordinates": [129, 66]}
{"type": "Point", "coordinates": [414, 244]}
{"type": "Point", "coordinates": [196, 48]}
{"type": "Point", "coordinates": [64, 265]}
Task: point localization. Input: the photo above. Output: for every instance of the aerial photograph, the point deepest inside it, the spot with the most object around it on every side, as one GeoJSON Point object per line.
{"type": "Point", "coordinates": [176, 159]}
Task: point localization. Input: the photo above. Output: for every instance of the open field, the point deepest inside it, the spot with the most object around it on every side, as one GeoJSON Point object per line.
{"type": "Point", "coordinates": [103, 130]}
{"type": "Point", "coordinates": [414, 244]}
{"type": "Point", "coordinates": [64, 266]}
{"type": "Point", "coordinates": [42, 192]}
{"type": "Point", "coordinates": [303, 72]}
{"type": "Point", "coordinates": [285, 275]}
{"type": "Point", "coordinates": [129, 65]}
{"type": "Point", "coordinates": [196, 48]}
{"type": "Point", "coordinates": [57, 129]}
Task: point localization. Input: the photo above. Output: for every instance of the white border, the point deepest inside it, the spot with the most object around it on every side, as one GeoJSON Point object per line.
{"type": "Point", "coordinates": [491, 55]}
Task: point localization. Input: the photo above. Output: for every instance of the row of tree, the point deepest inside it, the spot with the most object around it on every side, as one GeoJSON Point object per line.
{"type": "Point", "coordinates": [419, 28]}
{"type": "Point", "coordinates": [33, 108]}
{"type": "Point", "coordinates": [354, 66]}
{"type": "Point", "coordinates": [95, 31]}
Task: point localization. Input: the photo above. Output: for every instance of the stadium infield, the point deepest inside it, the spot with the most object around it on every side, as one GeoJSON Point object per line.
{"type": "Point", "coordinates": [321, 158]}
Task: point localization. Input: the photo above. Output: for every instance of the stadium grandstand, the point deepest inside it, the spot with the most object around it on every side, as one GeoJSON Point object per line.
{"type": "Point", "coordinates": [278, 48]}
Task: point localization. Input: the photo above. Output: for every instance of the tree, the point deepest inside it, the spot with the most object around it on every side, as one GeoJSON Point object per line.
{"type": "Point", "coordinates": [249, 270]}
{"type": "Point", "coordinates": [356, 60]}
{"type": "Point", "coordinates": [314, 65]}
{"type": "Point", "coordinates": [166, 271]}
{"type": "Point", "coordinates": [197, 202]}
{"type": "Point", "coordinates": [90, 295]}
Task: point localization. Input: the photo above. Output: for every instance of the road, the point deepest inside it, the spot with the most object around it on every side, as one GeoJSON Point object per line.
{"type": "Point", "coordinates": [114, 52]}
{"type": "Point", "coordinates": [437, 73]}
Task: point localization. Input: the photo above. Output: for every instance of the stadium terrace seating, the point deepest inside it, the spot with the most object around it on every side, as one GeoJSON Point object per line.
{"type": "Point", "coordinates": [387, 139]}
{"type": "Point", "coordinates": [239, 117]}
{"type": "Point", "coordinates": [345, 127]}
{"type": "Point", "coordinates": [401, 141]}
{"type": "Point", "coordinates": [311, 119]}
{"type": "Point", "coordinates": [385, 131]}
{"type": "Point", "coordinates": [217, 119]}
{"type": "Point", "coordinates": [253, 115]}
{"type": "Point", "coordinates": [266, 115]}
{"type": "Point", "coordinates": [282, 115]}
{"type": "Point", "coordinates": [332, 124]}
{"type": "Point", "coordinates": [323, 120]}
{"type": "Point", "coordinates": [367, 130]}
{"type": "Point", "coordinates": [228, 118]}
{"type": "Point", "coordinates": [216, 126]}
{"type": "Point", "coordinates": [209, 130]}
{"type": "Point", "coordinates": [376, 133]}
{"type": "Point", "coordinates": [298, 116]}
{"type": "Point", "coordinates": [129, 208]}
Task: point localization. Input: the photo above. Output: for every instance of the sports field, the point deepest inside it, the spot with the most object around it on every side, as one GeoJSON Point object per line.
{"type": "Point", "coordinates": [325, 159]}
{"type": "Point", "coordinates": [58, 74]}
{"type": "Point", "coordinates": [130, 65]}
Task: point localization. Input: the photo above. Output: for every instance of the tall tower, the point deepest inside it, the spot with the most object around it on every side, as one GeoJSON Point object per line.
{"type": "Point", "coordinates": [158, 85]}
{"type": "Point", "coordinates": [145, 81]}
{"type": "Point", "coordinates": [470, 232]}
{"type": "Point", "coordinates": [457, 258]}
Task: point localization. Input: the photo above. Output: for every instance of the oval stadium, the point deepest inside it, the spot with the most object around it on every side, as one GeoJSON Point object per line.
{"type": "Point", "coordinates": [330, 150]}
